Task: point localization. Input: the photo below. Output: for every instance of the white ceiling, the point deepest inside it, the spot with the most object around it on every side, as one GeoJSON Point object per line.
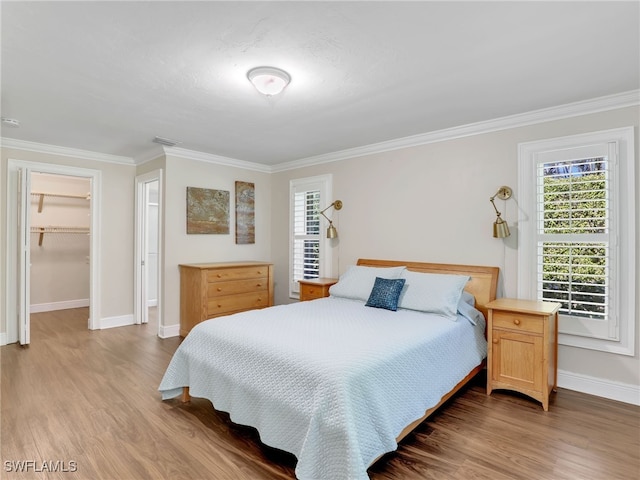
{"type": "Point", "coordinates": [109, 76]}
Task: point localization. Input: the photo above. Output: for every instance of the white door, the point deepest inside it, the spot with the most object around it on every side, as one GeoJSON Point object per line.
{"type": "Point", "coordinates": [148, 244]}
{"type": "Point", "coordinates": [24, 249]}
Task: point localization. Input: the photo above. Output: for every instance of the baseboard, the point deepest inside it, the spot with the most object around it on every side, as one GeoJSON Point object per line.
{"type": "Point", "coordinates": [622, 392]}
{"type": "Point", "coordinates": [64, 305]}
{"type": "Point", "coordinates": [119, 321]}
{"type": "Point", "coordinates": [169, 331]}
{"type": "Point", "coordinates": [152, 303]}
{"type": "Point", "coordinates": [3, 338]}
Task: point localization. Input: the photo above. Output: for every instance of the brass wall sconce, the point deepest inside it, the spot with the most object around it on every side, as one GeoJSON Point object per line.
{"type": "Point", "coordinates": [332, 232]}
{"type": "Point", "coordinates": [500, 227]}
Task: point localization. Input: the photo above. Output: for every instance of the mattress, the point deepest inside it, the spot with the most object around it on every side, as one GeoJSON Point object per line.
{"type": "Point", "coordinates": [331, 381]}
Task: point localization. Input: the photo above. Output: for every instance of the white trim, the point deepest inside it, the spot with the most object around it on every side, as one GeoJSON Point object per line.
{"type": "Point", "coordinates": [216, 159]}
{"type": "Point", "coordinates": [169, 331]}
{"type": "Point", "coordinates": [621, 392]}
{"type": "Point", "coordinates": [54, 306]}
{"type": "Point", "coordinates": [569, 110]}
{"type": "Point", "coordinates": [117, 321]}
{"type": "Point", "coordinates": [64, 151]}
{"type": "Point", "coordinates": [3, 338]}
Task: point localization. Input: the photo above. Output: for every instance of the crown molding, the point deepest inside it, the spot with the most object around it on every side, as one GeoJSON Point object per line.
{"type": "Point", "coordinates": [64, 151]}
{"type": "Point", "coordinates": [216, 159]}
{"type": "Point", "coordinates": [586, 107]}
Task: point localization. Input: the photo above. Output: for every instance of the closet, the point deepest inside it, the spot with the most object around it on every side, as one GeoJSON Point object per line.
{"type": "Point", "coordinates": [60, 243]}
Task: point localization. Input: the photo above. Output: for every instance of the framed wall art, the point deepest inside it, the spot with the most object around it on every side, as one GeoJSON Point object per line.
{"type": "Point", "coordinates": [245, 213]}
{"type": "Point", "coordinates": [207, 211]}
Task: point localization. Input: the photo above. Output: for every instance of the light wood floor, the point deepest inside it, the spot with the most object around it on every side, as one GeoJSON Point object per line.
{"type": "Point", "coordinates": [90, 397]}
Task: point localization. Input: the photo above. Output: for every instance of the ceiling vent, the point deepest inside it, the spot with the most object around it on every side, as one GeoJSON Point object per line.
{"type": "Point", "coordinates": [10, 122]}
{"type": "Point", "coordinates": [166, 141]}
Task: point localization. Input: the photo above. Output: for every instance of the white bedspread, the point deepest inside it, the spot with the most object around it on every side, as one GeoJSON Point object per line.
{"type": "Point", "coordinates": [330, 380]}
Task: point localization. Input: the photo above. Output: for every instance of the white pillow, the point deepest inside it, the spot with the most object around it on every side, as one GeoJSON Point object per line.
{"type": "Point", "coordinates": [432, 292]}
{"type": "Point", "coordinates": [357, 282]}
{"type": "Point", "coordinates": [466, 308]}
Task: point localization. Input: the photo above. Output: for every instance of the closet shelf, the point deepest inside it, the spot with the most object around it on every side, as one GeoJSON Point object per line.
{"type": "Point", "coordinates": [57, 229]}
{"type": "Point", "coordinates": [61, 195]}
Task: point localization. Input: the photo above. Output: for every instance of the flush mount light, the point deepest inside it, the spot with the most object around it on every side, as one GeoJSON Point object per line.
{"type": "Point", "coordinates": [268, 80]}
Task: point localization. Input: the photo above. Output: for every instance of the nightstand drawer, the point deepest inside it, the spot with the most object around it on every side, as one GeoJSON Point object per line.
{"type": "Point", "coordinates": [518, 322]}
{"type": "Point", "coordinates": [315, 288]}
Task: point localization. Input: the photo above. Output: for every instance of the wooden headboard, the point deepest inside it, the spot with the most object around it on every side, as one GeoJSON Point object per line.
{"type": "Point", "coordinates": [483, 283]}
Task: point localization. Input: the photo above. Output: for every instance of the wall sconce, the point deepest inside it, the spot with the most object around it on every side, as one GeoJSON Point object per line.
{"type": "Point", "coordinates": [500, 227]}
{"type": "Point", "coordinates": [332, 232]}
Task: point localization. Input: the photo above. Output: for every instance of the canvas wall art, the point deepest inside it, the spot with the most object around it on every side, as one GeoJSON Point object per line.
{"type": "Point", "coordinates": [207, 211]}
{"type": "Point", "coordinates": [245, 213]}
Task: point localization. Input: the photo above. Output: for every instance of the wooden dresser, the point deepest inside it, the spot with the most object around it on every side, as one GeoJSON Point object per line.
{"type": "Point", "coordinates": [209, 290]}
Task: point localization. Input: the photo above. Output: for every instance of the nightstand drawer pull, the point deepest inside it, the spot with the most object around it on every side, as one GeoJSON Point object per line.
{"type": "Point", "coordinates": [495, 340]}
{"type": "Point", "coordinates": [516, 321]}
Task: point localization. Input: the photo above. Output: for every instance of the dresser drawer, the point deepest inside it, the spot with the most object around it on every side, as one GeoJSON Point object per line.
{"type": "Point", "coordinates": [237, 303]}
{"type": "Point", "coordinates": [237, 273]}
{"type": "Point", "coordinates": [217, 289]}
{"type": "Point", "coordinates": [518, 321]}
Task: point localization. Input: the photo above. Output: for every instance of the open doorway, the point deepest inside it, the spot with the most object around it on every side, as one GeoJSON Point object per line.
{"type": "Point", "coordinates": [148, 264]}
{"type": "Point", "coordinates": [20, 237]}
{"type": "Point", "coordinates": [60, 207]}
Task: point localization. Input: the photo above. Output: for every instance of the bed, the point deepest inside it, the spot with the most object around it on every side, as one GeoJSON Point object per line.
{"type": "Point", "coordinates": [334, 381]}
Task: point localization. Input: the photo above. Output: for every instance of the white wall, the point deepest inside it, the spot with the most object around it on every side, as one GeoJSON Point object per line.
{"type": "Point", "coordinates": [431, 203]}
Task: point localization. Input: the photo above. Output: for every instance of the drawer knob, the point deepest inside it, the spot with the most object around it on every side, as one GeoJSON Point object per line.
{"type": "Point", "coordinates": [495, 340]}
{"type": "Point", "coordinates": [219, 306]}
{"type": "Point", "coordinates": [219, 289]}
{"type": "Point", "coordinates": [219, 276]}
{"type": "Point", "coordinates": [259, 272]}
{"type": "Point", "coordinates": [516, 321]}
{"type": "Point", "coordinates": [259, 285]}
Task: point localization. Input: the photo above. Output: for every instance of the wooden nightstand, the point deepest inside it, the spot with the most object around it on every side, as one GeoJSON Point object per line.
{"type": "Point", "coordinates": [315, 288]}
{"type": "Point", "coordinates": [523, 347]}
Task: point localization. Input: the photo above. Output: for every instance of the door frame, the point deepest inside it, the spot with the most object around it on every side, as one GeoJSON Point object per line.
{"type": "Point", "coordinates": [140, 288]}
{"type": "Point", "coordinates": [12, 292]}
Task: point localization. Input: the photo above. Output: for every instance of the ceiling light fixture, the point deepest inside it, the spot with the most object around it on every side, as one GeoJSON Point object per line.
{"type": "Point", "coordinates": [268, 80]}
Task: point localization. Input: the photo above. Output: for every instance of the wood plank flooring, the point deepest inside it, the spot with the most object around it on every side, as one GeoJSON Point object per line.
{"type": "Point", "coordinates": [90, 397]}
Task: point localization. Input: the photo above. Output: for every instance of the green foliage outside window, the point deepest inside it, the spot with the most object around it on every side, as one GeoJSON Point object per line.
{"type": "Point", "coordinates": [574, 272]}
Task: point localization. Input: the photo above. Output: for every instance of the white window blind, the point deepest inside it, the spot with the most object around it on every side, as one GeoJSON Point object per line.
{"type": "Point", "coordinates": [574, 258]}
{"type": "Point", "coordinates": [576, 242]}
{"type": "Point", "coordinates": [306, 238]}
{"type": "Point", "coordinates": [307, 246]}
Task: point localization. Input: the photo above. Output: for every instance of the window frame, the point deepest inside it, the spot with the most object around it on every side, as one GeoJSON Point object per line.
{"type": "Point", "coordinates": [621, 324]}
{"type": "Point", "coordinates": [322, 183]}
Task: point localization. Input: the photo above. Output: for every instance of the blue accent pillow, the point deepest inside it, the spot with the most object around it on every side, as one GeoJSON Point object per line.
{"type": "Point", "coordinates": [385, 293]}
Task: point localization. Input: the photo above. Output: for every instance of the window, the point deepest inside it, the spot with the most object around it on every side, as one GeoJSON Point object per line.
{"type": "Point", "coordinates": [577, 235]}
{"type": "Point", "coordinates": [307, 259]}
